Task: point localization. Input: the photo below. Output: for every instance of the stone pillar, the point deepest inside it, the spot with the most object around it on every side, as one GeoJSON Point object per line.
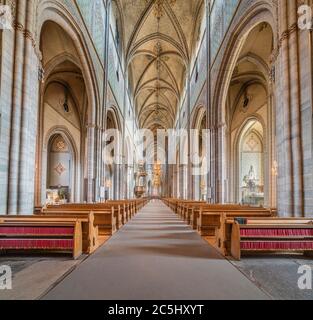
{"type": "Point", "coordinates": [105, 93]}
{"type": "Point", "coordinates": [29, 112]}
{"type": "Point", "coordinates": [16, 111]}
{"type": "Point", "coordinates": [285, 179]}
{"type": "Point", "coordinates": [91, 131]}
{"type": "Point", "coordinates": [180, 182]}
{"type": "Point", "coordinates": [295, 101]}
{"type": "Point", "coordinates": [98, 161]}
{"type": "Point", "coordinates": [221, 138]}
{"type": "Point", "coordinates": [6, 86]}
{"type": "Point", "coordinates": [116, 178]}
{"type": "Point", "coordinates": [24, 108]}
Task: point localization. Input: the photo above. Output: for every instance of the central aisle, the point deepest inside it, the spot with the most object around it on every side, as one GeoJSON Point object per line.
{"type": "Point", "coordinates": [157, 257]}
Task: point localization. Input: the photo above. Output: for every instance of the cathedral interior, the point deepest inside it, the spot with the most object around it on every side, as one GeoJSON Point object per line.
{"type": "Point", "coordinates": [226, 85]}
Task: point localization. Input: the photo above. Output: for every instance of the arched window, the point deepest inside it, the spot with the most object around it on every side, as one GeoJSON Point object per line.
{"type": "Point", "coordinates": [251, 164]}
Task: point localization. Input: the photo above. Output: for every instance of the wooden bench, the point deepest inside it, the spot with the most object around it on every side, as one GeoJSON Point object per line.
{"type": "Point", "coordinates": [128, 209]}
{"type": "Point", "coordinates": [197, 209]}
{"type": "Point", "coordinates": [211, 223]}
{"type": "Point", "coordinates": [276, 235]}
{"type": "Point", "coordinates": [90, 231]}
{"type": "Point", "coordinates": [210, 218]}
{"type": "Point", "coordinates": [171, 203]}
{"type": "Point", "coordinates": [105, 218]}
{"type": "Point", "coordinates": [38, 234]}
{"type": "Point", "coordinates": [186, 209]}
{"type": "Point", "coordinates": [140, 203]}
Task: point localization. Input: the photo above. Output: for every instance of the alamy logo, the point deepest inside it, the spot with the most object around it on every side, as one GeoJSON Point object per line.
{"type": "Point", "coordinates": [5, 17]}
{"type": "Point", "coordinates": [305, 17]}
{"type": "Point", "coordinates": [5, 278]}
{"type": "Point", "coordinates": [305, 280]}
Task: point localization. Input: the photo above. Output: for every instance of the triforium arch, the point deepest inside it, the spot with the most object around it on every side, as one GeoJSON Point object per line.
{"type": "Point", "coordinates": [69, 85]}
{"type": "Point", "coordinates": [246, 89]}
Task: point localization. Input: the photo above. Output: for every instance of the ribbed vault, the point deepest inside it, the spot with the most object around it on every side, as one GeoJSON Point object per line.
{"type": "Point", "coordinates": [158, 39]}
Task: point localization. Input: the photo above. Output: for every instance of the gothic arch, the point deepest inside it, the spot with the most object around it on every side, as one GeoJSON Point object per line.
{"type": "Point", "coordinates": [236, 162]}
{"type": "Point", "coordinates": [57, 13]}
{"type": "Point", "coordinates": [259, 13]}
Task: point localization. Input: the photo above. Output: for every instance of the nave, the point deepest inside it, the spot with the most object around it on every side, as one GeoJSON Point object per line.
{"type": "Point", "coordinates": [156, 256]}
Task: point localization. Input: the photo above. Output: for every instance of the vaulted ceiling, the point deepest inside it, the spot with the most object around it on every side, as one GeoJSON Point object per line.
{"type": "Point", "coordinates": [159, 35]}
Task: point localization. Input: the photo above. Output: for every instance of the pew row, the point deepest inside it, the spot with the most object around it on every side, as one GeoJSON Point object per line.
{"type": "Point", "coordinates": [276, 235]}
{"type": "Point", "coordinates": [209, 219]}
{"type": "Point", "coordinates": [38, 234]}
{"type": "Point", "coordinates": [107, 220]}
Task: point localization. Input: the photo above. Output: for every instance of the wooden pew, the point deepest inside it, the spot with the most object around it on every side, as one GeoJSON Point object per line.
{"type": "Point", "coordinates": [172, 203]}
{"type": "Point", "coordinates": [127, 209]}
{"type": "Point", "coordinates": [98, 209]}
{"type": "Point", "coordinates": [140, 203]}
{"type": "Point", "coordinates": [90, 231]}
{"type": "Point", "coordinates": [186, 209]}
{"type": "Point", "coordinates": [276, 235]}
{"type": "Point", "coordinates": [38, 234]}
{"type": "Point", "coordinates": [211, 222]}
{"type": "Point", "coordinates": [199, 209]}
{"type": "Point", "coordinates": [105, 218]}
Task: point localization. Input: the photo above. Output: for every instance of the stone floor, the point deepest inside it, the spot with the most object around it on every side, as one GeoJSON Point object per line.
{"type": "Point", "coordinates": [155, 256]}
{"type": "Point", "coordinates": [34, 276]}
{"type": "Point", "coordinates": [278, 276]}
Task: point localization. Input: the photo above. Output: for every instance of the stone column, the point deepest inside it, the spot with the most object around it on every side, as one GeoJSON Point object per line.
{"type": "Point", "coordinates": [91, 131]}
{"type": "Point", "coordinates": [285, 179]}
{"type": "Point", "coordinates": [295, 101]}
{"type": "Point", "coordinates": [221, 140]}
{"type": "Point", "coordinates": [7, 61]}
{"type": "Point", "coordinates": [105, 92]}
{"type": "Point", "coordinates": [209, 111]}
{"type": "Point", "coordinates": [116, 178]}
{"type": "Point", "coordinates": [24, 108]}
{"type": "Point", "coordinates": [18, 71]}
{"type": "Point", "coordinates": [29, 112]}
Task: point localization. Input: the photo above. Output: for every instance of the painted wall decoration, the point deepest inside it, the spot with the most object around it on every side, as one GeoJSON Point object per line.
{"type": "Point", "coordinates": [59, 163]}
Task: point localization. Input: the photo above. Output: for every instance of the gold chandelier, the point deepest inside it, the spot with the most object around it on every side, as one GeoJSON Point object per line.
{"type": "Point", "coordinates": [157, 172]}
